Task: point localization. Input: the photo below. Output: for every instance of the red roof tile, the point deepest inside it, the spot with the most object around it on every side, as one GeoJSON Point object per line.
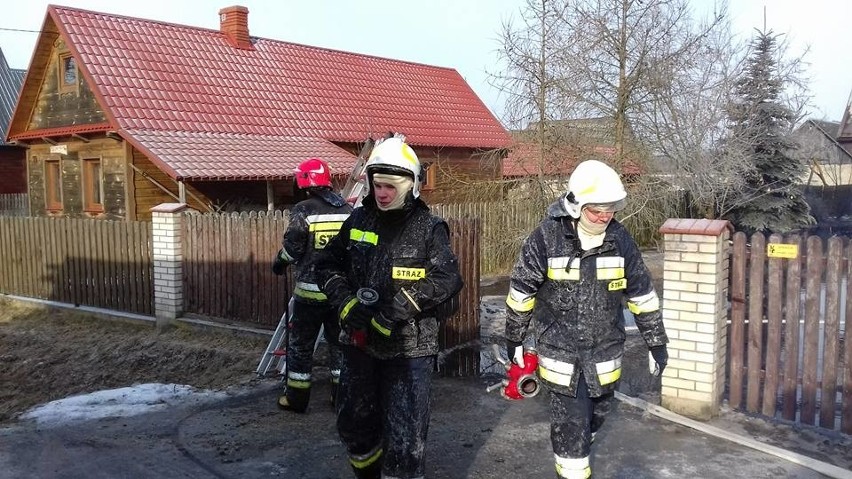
{"type": "Point", "coordinates": [156, 76]}
{"type": "Point", "coordinates": [228, 156]}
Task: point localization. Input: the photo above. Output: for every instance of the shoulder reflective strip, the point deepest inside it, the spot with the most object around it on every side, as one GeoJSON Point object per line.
{"type": "Point", "coordinates": [360, 461]}
{"type": "Point", "coordinates": [617, 285]}
{"type": "Point", "coordinates": [328, 226]}
{"type": "Point", "coordinates": [363, 236]}
{"type": "Point", "coordinates": [646, 303]}
{"type": "Point", "coordinates": [563, 261]}
{"type": "Point", "coordinates": [608, 371]}
{"type": "Point", "coordinates": [299, 376]}
{"type": "Point", "coordinates": [558, 366]}
{"type": "Point", "coordinates": [519, 301]}
{"type": "Point", "coordinates": [298, 384]}
{"type": "Point", "coordinates": [345, 310]}
{"type": "Point", "coordinates": [609, 261]}
{"type": "Point", "coordinates": [573, 468]}
{"type": "Point", "coordinates": [562, 274]}
{"type": "Point", "coordinates": [610, 273]}
{"type": "Point", "coordinates": [338, 217]}
{"type": "Point", "coordinates": [381, 329]}
{"type": "Point", "coordinates": [610, 267]}
{"type": "Point", "coordinates": [410, 274]}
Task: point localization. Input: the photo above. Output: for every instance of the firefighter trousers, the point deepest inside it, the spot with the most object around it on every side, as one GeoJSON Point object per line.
{"type": "Point", "coordinates": [383, 413]}
{"type": "Point", "coordinates": [304, 330]}
{"type": "Point", "coordinates": [574, 421]}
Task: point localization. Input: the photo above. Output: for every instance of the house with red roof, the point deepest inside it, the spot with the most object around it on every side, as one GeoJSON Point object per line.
{"type": "Point", "coordinates": [548, 157]}
{"type": "Point", "coordinates": [120, 114]}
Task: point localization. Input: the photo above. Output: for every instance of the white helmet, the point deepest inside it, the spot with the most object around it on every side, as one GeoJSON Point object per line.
{"type": "Point", "coordinates": [594, 183]}
{"type": "Point", "coordinates": [393, 156]}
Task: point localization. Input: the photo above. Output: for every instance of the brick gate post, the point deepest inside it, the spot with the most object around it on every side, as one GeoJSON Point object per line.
{"type": "Point", "coordinates": [168, 262]}
{"type": "Point", "coordinates": [695, 286]}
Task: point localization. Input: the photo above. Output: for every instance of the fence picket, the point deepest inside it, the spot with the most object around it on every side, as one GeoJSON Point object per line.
{"type": "Point", "coordinates": [737, 340]}
{"type": "Point", "coordinates": [813, 283]}
{"type": "Point", "coordinates": [831, 333]}
{"type": "Point", "coordinates": [846, 402]}
{"type": "Point", "coordinates": [792, 317]}
{"type": "Point", "coordinates": [754, 361]}
{"type": "Point", "coordinates": [775, 284]}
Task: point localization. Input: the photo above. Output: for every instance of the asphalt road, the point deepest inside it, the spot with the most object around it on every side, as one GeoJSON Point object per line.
{"type": "Point", "coordinates": [472, 435]}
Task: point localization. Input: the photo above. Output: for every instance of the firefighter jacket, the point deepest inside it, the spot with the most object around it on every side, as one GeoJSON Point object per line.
{"type": "Point", "coordinates": [573, 301]}
{"type": "Point", "coordinates": [313, 223]}
{"type": "Point", "coordinates": [402, 254]}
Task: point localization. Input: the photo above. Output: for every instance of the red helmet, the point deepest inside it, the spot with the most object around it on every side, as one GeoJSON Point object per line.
{"type": "Point", "coordinates": [313, 172]}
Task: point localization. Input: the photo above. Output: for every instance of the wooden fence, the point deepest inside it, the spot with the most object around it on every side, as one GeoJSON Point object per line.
{"type": "Point", "coordinates": [104, 264]}
{"type": "Point", "coordinates": [14, 205]}
{"type": "Point", "coordinates": [227, 266]}
{"type": "Point", "coordinates": [227, 274]}
{"type": "Point", "coordinates": [789, 355]}
{"type": "Point", "coordinates": [504, 226]}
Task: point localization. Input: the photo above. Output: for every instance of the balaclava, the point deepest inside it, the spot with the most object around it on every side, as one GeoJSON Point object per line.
{"type": "Point", "coordinates": [592, 234]}
{"type": "Point", "coordinates": [403, 185]}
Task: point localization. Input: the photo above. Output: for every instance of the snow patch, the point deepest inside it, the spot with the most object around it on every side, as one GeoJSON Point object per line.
{"type": "Point", "coordinates": [121, 402]}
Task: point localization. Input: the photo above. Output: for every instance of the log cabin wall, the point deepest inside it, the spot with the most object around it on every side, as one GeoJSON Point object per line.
{"type": "Point", "coordinates": [113, 178]}
{"type": "Point", "coordinates": [60, 101]}
{"type": "Point", "coordinates": [145, 193]}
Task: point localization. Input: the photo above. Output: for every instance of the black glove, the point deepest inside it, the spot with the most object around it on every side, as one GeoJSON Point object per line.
{"type": "Point", "coordinates": [660, 355]}
{"type": "Point", "coordinates": [515, 352]}
{"type": "Point", "coordinates": [355, 315]}
{"type": "Point", "coordinates": [278, 264]}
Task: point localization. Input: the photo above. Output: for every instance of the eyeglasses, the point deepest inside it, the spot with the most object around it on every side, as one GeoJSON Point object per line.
{"type": "Point", "coordinates": [598, 215]}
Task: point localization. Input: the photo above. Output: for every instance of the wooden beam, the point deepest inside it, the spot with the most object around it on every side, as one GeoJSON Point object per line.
{"type": "Point", "coordinates": [114, 136]}
{"type": "Point", "coordinates": [80, 137]}
{"type": "Point", "coordinates": [270, 200]}
{"type": "Point", "coordinates": [49, 140]}
{"type": "Point", "coordinates": [181, 192]}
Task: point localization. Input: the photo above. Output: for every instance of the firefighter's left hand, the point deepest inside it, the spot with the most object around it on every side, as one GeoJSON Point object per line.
{"type": "Point", "coordinates": [278, 264]}
{"type": "Point", "coordinates": [659, 357]}
{"type": "Point", "coordinates": [515, 350]}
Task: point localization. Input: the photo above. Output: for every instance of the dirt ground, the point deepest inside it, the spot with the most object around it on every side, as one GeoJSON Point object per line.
{"type": "Point", "coordinates": [51, 353]}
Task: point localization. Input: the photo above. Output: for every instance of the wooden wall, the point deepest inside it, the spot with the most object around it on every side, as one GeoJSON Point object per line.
{"type": "Point", "coordinates": [146, 194]}
{"type": "Point", "coordinates": [13, 170]}
{"type": "Point", "coordinates": [113, 165]}
{"type": "Point", "coordinates": [54, 109]}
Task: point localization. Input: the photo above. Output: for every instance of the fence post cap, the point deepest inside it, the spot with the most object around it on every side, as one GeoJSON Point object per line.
{"type": "Point", "coordinates": [169, 208]}
{"type": "Point", "coordinates": [689, 226]}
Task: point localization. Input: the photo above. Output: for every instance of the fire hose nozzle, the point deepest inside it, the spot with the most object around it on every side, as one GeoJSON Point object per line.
{"type": "Point", "coordinates": [520, 383]}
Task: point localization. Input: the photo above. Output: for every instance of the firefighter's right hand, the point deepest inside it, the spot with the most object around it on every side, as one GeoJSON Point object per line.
{"type": "Point", "coordinates": [355, 315]}
{"type": "Point", "coordinates": [279, 264]}
{"type": "Point", "coordinates": [515, 350]}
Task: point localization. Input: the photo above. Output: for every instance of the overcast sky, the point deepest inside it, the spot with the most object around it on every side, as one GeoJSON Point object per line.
{"type": "Point", "coordinates": [460, 34]}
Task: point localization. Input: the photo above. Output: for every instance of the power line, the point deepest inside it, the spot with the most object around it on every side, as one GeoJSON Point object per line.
{"type": "Point", "coordinates": [19, 30]}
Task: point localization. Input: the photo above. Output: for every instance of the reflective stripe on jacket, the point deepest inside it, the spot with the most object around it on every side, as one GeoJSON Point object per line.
{"type": "Point", "coordinates": [403, 254]}
{"type": "Point", "coordinates": [313, 223]}
{"type": "Point", "coordinates": [572, 302]}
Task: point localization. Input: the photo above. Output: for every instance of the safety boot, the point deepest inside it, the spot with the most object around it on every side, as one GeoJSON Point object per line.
{"type": "Point", "coordinates": [294, 400]}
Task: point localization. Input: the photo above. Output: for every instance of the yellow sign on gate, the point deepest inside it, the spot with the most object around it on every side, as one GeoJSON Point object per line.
{"type": "Point", "coordinates": [781, 250]}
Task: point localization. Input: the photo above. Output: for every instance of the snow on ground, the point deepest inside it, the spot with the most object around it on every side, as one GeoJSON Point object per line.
{"type": "Point", "coordinates": [121, 402]}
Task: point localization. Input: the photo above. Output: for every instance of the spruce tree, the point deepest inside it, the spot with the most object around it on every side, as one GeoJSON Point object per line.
{"type": "Point", "coordinates": [772, 200]}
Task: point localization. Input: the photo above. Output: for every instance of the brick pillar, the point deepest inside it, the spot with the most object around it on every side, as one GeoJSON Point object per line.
{"type": "Point", "coordinates": [168, 262]}
{"type": "Point", "coordinates": [695, 285]}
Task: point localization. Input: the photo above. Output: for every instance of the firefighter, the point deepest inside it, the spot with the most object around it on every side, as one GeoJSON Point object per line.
{"type": "Point", "coordinates": [313, 222]}
{"type": "Point", "coordinates": [393, 245]}
{"type": "Point", "coordinates": [566, 294]}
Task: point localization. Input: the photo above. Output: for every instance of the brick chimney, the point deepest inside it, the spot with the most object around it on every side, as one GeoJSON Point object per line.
{"type": "Point", "coordinates": [233, 22]}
